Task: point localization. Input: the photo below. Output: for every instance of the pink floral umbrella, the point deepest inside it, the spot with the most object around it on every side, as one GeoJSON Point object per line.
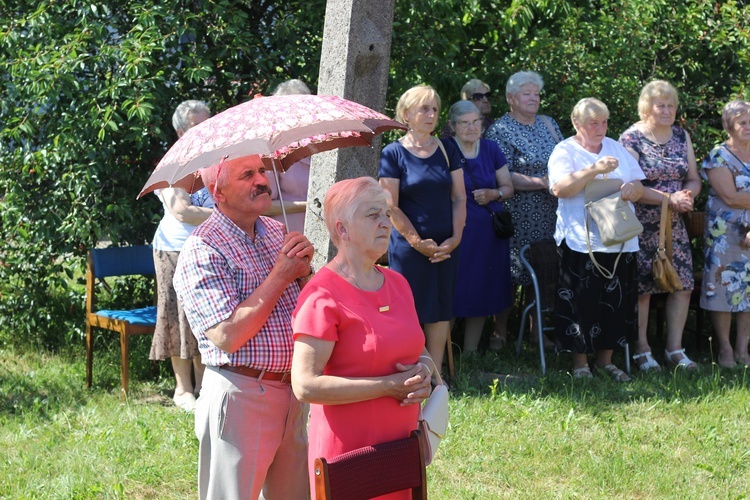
{"type": "Point", "coordinates": [281, 129]}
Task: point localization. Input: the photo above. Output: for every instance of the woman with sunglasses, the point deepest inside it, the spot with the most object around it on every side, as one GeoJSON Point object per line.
{"type": "Point", "coordinates": [479, 93]}
{"type": "Point", "coordinates": [527, 139]}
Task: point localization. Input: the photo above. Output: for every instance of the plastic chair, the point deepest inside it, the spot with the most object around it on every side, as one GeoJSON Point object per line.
{"type": "Point", "coordinates": [372, 471]}
{"type": "Point", "coordinates": [542, 262]}
{"type": "Point", "coordinates": [117, 261]}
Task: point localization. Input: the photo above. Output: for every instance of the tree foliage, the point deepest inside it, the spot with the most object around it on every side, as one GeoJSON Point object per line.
{"type": "Point", "coordinates": [89, 89]}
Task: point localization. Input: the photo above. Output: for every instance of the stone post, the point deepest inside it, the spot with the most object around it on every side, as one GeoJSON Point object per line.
{"type": "Point", "coordinates": [354, 64]}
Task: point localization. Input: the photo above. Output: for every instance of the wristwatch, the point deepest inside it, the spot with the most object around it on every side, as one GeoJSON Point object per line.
{"type": "Point", "coordinates": [499, 193]}
{"type": "Point", "coordinates": [307, 278]}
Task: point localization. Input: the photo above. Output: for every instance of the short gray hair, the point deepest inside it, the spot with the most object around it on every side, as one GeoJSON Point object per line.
{"type": "Point", "coordinates": [460, 108]}
{"type": "Point", "coordinates": [290, 87]}
{"type": "Point", "coordinates": [518, 80]}
{"type": "Point", "coordinates": [732, 111]}
{"type": "Point", "coordinates": [471, 87]}
{"type": "Point", "coordinates": [184, 109]}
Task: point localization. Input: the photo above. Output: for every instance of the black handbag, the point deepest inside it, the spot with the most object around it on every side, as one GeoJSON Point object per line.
{"type": "Point", "coordinates": [502, 222]}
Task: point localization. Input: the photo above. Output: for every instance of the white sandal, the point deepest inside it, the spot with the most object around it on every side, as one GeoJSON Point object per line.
{"type": "Point", "coordinates": [649, 365]}
{"type": "Point", "coordinates": [684, 362]}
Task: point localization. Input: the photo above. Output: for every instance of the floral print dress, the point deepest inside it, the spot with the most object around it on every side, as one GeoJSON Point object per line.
{"type": "Point", "coordinates": [666, 169]}
{"type": "Point", "coordinates": [726, 275]}
{"type": "Point", "coordinates": [527, 149]}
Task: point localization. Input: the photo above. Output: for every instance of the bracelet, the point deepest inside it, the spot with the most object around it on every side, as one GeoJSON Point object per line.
{"type": "Point", "coordinates": [307, 278]}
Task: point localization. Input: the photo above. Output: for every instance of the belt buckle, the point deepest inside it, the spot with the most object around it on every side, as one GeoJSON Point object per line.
{"type": "Point", "coordinates": [286, 378]}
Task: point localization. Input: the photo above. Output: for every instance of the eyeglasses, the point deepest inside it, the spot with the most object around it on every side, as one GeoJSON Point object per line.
{"type": "Point", "coordinates": [477, 96]}
{"type": "Point", "coordinates": [466, 124]}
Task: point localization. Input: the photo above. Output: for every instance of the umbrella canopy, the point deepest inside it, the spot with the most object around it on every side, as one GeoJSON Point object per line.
{"type": "Point", "coordinates": [281, 129]}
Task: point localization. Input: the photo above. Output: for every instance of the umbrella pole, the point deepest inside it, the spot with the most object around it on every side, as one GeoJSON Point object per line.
{"type": "Point", "coordinates": [281, 197]}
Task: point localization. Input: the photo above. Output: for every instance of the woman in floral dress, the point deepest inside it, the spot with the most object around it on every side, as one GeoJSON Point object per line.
{"type": "Point", "coordinates": [527, 139]}
{"type": "Point", "coordinates": [727, 240]}
{"type": "Point", "coordinates": [665, 154]}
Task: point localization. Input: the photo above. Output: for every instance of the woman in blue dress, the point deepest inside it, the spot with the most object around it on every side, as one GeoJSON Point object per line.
{"type": "Point", "coordinates": [483, 287]}
{"type": "Point", "coordinates": [428, 211]}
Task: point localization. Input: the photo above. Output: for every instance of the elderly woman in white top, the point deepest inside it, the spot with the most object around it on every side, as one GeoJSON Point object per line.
{"type": "Point", "coordinates": [593, 314]}
{"type": "Point", "coordinates": [173, 337]}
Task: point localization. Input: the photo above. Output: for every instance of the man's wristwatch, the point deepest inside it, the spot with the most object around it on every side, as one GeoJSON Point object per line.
{"type": "Point", "coordinates": [307, 278]}
{"type": "Point", "coordinates": [499, 193]}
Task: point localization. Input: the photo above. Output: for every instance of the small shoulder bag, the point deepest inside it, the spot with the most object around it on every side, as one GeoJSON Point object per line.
{"type": "Point", "coordinates": [665, 275]}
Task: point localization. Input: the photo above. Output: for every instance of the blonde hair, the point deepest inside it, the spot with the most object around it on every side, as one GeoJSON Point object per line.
{"type": "Point", "coordinates": [415, 96]}
{"type": "Point", "coordinates": [658, 89]}
{"type": "Point", "coordinates": [343, 199]}
{"type": "Point", "coordinates": [732, 111]}
{"type": "Point", "coordinates": [586, 108]}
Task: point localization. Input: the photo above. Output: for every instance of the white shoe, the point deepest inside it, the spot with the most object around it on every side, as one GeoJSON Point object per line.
{"type": "Point", "coordinates": [185, 401]}
{"type": "Point", "coordinates": [649, 365]}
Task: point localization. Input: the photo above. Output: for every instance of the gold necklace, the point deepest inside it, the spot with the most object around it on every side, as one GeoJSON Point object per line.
{"type": "Point", "coordinates": [341, 270]}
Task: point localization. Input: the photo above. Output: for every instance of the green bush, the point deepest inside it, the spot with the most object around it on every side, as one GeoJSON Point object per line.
{"type": "Point", "coordinates": [89, 89]}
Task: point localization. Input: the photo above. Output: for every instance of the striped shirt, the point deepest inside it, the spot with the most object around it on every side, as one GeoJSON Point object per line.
{"type": "Point", "coordinates": [219, 267]}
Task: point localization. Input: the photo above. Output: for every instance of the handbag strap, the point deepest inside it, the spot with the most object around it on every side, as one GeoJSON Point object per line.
{"type": "Point", "coordinates": [434, 368]}
{"type": "Point", "coordinates": [552, 130]}
{"type": "Point", "coordinates": [442, 148]}
{"type": "Point", "coordinates": [602, 270]}
{"type": "Point", "coordinates": [665, 228]}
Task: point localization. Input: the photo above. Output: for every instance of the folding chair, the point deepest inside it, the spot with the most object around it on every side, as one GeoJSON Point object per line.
{"type": "Point", "coordinates": [372, 471]}
{"type": "Point", "coordinates": [117, 261]}
{"type": "Point", "coordinates": [542, 262]}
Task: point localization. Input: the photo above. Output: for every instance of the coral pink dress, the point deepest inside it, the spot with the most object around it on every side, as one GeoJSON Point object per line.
{"type": "Point", "coordinates": [373, 331]}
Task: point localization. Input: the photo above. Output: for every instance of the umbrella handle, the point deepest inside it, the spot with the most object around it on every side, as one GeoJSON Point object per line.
{"type": "Point", "coordinates": [281, 197]}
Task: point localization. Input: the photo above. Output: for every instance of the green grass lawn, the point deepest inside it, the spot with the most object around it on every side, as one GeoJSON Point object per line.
{"type": "Point", "coordinates": [513, 433]}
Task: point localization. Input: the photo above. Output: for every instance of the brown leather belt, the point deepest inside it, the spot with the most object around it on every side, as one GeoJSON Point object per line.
{"type": "Point", "coordinates": [284, 377]}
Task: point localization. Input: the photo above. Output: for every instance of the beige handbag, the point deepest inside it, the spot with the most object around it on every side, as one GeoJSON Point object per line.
{"type": "Point", "coordinates": [433, 418]}
{"type": "Point", "coordinates": [612, 215]}
{"type": "Point", "coordinates": [665, 275]}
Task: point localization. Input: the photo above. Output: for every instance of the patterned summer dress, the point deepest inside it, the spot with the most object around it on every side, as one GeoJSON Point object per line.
{"type": "Point", "coordinates": [727, 267]}
{"type": "Point", "coordinates": [527, 149]}
{"type": "Point", "coordinates": [666, 169]}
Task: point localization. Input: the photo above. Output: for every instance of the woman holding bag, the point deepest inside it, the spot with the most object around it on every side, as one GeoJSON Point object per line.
{"type": "Point", "coordinates": [359, 356]}
{"type": "Point", "coordinates": [665, 154]}
{"type": "Point", "coordinates": [594, 312]}
{"type": "Point", "coordinates": [483, 283]}
{"type": "Point", "coordinates": [727, 237]}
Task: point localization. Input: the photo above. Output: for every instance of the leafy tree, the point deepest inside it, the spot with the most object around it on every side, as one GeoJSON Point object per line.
{"type": "Point", "coordinates": [89, 88]}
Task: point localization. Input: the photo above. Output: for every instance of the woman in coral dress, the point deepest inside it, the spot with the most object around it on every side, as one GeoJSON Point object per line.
{"type": "Point", "coordinates": [359, 356]}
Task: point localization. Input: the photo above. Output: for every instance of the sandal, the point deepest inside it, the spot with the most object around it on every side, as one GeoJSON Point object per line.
{"type": "Point", "coordinates": [614, 372]}
{"type": "Point", "coordinates": [497, 341]}
{"type": "Point", "coordinates": [683, 362]}
{"type": "Point", "coordinates": [185, 402]}
{"type": "Point", "coordinates": [582, 372]}
{"type": "Point", "coordinates": [649, 364]}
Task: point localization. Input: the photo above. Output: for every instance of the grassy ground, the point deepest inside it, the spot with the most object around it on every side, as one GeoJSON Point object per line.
{"type": "Point", "coordinates": [513, 434]}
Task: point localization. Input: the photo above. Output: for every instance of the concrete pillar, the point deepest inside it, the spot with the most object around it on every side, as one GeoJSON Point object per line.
{"type": "Point", "coordinates": [354, 64]}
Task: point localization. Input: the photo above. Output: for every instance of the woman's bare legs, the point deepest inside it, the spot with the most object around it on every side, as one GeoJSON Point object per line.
{"type": "Point", "coordinates": [436, 337]}
{"type": "Point", "coordinates": [722, 322]}
{"type": "Point", "coordinates": [678, 305]}
{"type": "Point", "coordinates": [198, 369]}
{"type": "Point", "coordinates": [473, 328]}
{"type": "Point", "coordinates": [743, 335]}
{"type": "Point", "coordinates": [644, 302]}
{"type": "Point", "coordinates": [183, 370]}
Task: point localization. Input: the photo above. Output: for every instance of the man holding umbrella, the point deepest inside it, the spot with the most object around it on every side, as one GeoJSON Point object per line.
{"type": "Point", "coordinates": [238, 278]}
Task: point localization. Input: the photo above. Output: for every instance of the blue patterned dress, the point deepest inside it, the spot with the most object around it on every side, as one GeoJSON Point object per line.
{"type": "Point", "coordinates": [726, 275]}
